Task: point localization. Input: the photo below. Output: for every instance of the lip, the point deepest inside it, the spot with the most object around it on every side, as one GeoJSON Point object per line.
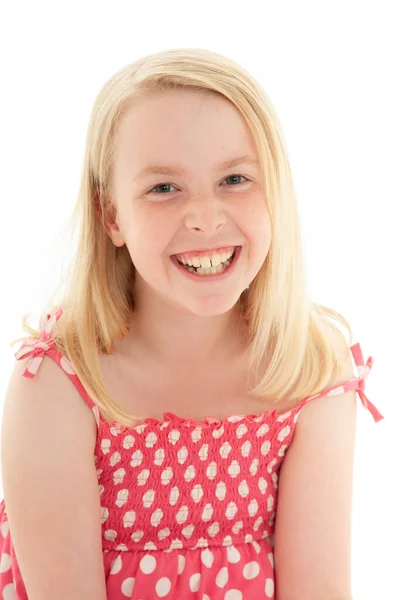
{"type": "Point", "coordinates": [206, 251]}
{"type": "Point", "coordinates": [217, 277]}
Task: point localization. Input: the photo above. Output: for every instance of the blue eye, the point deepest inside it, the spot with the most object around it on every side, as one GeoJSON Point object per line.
{"type": "Point", "coordinates": [160, 185]}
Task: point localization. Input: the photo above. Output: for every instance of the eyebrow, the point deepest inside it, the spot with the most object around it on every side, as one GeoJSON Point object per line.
{"type": "Point", "coordinates": [172, 170]}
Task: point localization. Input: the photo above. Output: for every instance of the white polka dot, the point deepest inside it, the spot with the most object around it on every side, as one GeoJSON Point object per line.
{"type": "Point", "coordinates": [188, 531]}
{"type": "Point", "coordinates": [119, 475]}
{"type": "Point", "coordinates": [211, 470]}
{"type": "Point", "coordinates": [182, 455]}
{"type": "Point", "coordinates": [182, 515]}
{"type": "Point", "coordinates": [262, 430]}
{"type": "Point", "coordinates": [164, 533]}
{"type": "Point", "coordinates": [148, 564]}
{"type": "Point", "coordinates": [207, 557]}
{"type": "Point", "coordinates": [251, 570]}
{"type": "Point", "coordinates": [105, 445]}
{"type": "Point", "coordinates": [163, 587]}
{"type": "Point", "coordinates": [222, 577]}
{"type": "Point", "coordinates": [151, 439]}
{"type": "Point", "coordinates": [173, 436]}
{"type": "Point", "coordinates": [115, 458]}
{"type": "Point", "coordinates": [128, 518]}
{"type": "Point", "coordinates": [205, 597]}
{"type": "Point", "coordinates": [243, 489]}
{"type": "Point", "coordinates": [4, 528]}
{"type": "Point", "coordinates": [203, 452]}
{"type": "Point", "coordinates": [233, 595]}
{"type": "Point", "coordinates": [221, 490]}
{"type": "Point", "coordinates": [225, 449]}
{"type": "Point", "coordinates": [156, 517]}
{"type": "Point", "coordinates": [166, 476]}
{"type": "Point", "coordinates": [195, 582]}
{"type": "Point", "coordinates": [213, 529]}
{"type": "Point", "coordinates": [196, 434]}
{"type": "Point", "coordinates": [253, 507]}
{"type": "Point", "coordinates": [270, 556]}
{"type": "Point", "coordinates": [159, 457]}
{"type": "Point", "coordinates": [233, 555]}
{"type": "Point", "coordinates": [67, 366]}
{"type": "Point", "coordinates": [181, 561]}
{"type": "Point", "coordinates": [283, 433]}
{"type": "Point", "coordinates": [241, 430]}
{"type": "Point", "coordinates": [271, 465]}
{"type": "Point", "coordinates": [137, 458]}
{"type": "Point", "coordinates": [234, 469]}
{"type": "Point", "coordinates": [189, 473]}
{"type": "Point", "coordinates": [143, 476]}
{"type": "Point", "coordinates": [217, 433]}
{"type": "Point", "coordinates": [207, 512]}
{"type": "Point", "coordinates": [148, 498]}
{"type": "Point", "coordinates": [110, 535]}
{"type": "Point", "coordinates": [237, 526]}
{"type": "Point", "coordinates": [256, 546]}
{"type": "Point", "coordinates": [122, 497]}
{"type": "Point", "coordinates": [9, 592]}
{"type": "Point", "coordinates": [5, 562]}
{"type": "Point", "coordinates": [174, 496]}
{"type": "Point", "coordinates": [254, 466]}
{"type": "Point", "coordinates": [127, 586]}
{"type": "Point", "coordinates": [137, 535]}
{"type": "Point", "coordinates": [197, 492]}
{"type": "Point", "coordinates": [270, 502]}
{"type": "Point", "coordinates": [128, 442]}
{"type": "Point", "coordinates": [269, 588]}
{"type": "Point", "coordinates": [265, 447]}
{"type": "Point", "coordinates": [116, 565]}
{"type": "Point", "coordinates": [34, 364]}
{"type": "Point", "coordinates": [231, 510]}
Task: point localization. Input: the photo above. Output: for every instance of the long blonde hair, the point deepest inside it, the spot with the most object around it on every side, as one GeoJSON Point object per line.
{"type": "Point", "coordinates": [280, 321]}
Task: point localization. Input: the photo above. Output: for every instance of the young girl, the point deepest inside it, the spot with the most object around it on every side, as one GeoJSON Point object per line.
{"type": "Point", "coordinates": [183, 423]}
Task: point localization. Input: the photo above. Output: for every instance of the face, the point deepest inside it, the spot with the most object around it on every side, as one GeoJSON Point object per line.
{"type": "Point", "coordinates": [203, 206]}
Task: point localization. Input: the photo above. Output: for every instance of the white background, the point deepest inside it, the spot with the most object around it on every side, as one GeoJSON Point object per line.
{"type": "Point", "coordinates": [331, 71]}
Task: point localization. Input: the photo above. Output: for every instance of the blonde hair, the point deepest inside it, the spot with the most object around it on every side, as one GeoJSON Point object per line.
{"type": "Point", "coordinates": [280, 321]}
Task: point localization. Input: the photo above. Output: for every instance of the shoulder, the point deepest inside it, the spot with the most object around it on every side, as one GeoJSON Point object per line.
{"type": "Point", "coordinates": [338, 406]}
{"type": "Point", "coordinates": [46, 401]}
{"type": "Point", "coordinates": [318, 472]}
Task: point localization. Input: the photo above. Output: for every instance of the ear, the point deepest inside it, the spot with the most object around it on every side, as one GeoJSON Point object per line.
{"type": "Point", "coordinates": [110, 219]}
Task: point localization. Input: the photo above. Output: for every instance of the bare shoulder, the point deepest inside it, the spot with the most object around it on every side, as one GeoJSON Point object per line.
{"type": "Point", "coordinates": [340, 406]}
{"type": "Point", "coordinates": [313, 533]}
{"type": "Point", "coordinates": [49, 398]}
{"type": "Point", "coordinates": [50, 485]}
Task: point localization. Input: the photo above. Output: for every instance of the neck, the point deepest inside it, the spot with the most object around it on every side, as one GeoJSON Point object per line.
{"type": "Point", "coordinates": [165, 333]}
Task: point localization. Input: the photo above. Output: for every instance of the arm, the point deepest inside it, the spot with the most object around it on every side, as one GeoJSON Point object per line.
{"type": "Point", "coordinates": [50, 486]}
{"type": "Point", "coordinates": [313, 520]}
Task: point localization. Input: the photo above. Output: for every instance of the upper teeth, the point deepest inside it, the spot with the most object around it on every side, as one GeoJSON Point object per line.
{"type": "Point", "coordinates": [206, 261]}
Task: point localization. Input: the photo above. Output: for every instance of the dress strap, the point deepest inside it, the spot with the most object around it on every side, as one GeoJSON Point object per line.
{"type": "Point", "coordinates": [357, 384]}
{"type": "Point", "coordinates": [36, 349]}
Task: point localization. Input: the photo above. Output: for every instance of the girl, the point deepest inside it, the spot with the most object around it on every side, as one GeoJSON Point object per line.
{"type": "Point", "coordinates": [193, 434]}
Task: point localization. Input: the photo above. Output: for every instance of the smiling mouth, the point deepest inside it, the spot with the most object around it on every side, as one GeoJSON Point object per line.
{"type": "Point", "coordinates": [213, 270]}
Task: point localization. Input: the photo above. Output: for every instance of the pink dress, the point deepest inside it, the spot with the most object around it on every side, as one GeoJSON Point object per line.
{"type": "Point", "coordinates": [188, 508]}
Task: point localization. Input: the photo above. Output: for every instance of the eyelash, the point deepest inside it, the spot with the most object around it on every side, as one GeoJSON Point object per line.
{"type": "Point", "coordinates": [165, 194]}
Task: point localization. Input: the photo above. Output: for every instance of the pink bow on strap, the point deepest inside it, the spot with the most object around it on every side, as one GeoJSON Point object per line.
{"type": "Point", "coordinates": [36, 348]}
{"type": "Point", "coordinates": [364, 370]}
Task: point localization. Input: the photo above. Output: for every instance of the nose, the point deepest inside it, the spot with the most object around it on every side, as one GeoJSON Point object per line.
{"type": "Point", "coordinates": [205, 214]}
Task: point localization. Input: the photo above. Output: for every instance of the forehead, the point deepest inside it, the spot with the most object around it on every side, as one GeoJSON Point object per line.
{"type": "Point", "coordinates": [177, 125]}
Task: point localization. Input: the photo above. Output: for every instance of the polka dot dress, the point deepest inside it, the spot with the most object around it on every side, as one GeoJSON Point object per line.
{"type": "Point", "coordinates": [187, 508]}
